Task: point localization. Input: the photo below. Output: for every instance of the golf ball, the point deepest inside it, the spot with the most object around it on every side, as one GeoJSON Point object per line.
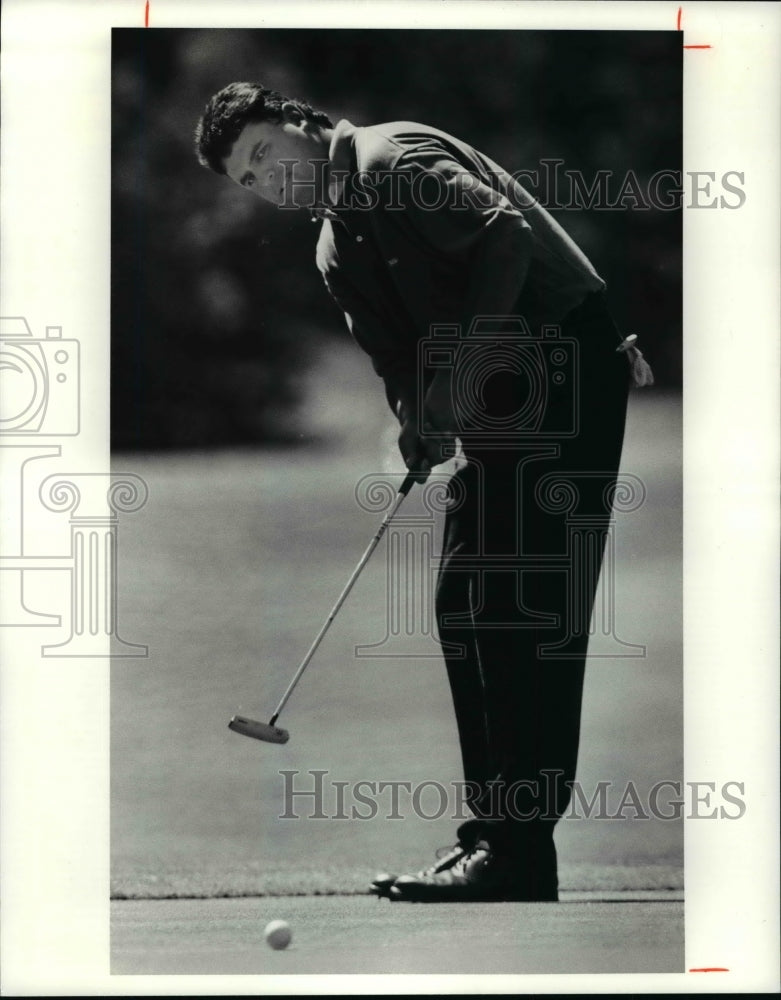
{"type": "Point", "coordinates": [278, 934]}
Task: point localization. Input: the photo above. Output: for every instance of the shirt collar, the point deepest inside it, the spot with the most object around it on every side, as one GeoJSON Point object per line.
{"type": "Point", "coordinates": [340, 165]}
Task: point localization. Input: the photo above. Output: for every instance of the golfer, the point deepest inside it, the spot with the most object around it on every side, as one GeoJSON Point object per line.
{"type": "Point", "coordinates": [488, 327]}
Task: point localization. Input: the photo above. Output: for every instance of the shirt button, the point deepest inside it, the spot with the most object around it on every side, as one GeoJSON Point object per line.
{"type": "Point", "coordinates": [359, 239]}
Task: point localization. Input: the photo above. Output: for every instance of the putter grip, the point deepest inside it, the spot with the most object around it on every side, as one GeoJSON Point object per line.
{"type": "Point", "coordinates": [409, 482]}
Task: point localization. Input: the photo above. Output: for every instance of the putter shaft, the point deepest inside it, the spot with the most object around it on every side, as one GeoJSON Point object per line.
{"type": "Point", "coordinates": [404, 489]}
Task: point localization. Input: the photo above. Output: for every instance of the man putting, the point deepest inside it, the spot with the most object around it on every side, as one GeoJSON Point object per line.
{"type": "Point", "coordinates": [487, 324]}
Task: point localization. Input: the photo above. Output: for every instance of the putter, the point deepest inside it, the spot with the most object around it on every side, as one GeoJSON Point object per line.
{"type": "Point", "coordinates": [269, 732]}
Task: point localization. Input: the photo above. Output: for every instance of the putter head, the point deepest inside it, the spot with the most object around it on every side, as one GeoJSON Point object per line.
{"type": "Point", "coordinates": [258, 730]}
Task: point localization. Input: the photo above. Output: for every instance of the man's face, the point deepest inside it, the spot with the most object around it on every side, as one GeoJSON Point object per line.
{"type": "Point", "coordinates": [255, 162]}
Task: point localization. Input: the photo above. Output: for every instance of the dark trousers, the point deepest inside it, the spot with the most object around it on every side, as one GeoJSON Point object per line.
{"type": "Point", "coordinates": [523, 546]}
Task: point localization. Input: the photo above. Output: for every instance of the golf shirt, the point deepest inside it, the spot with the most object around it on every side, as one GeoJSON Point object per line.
{"type": "Point", "coordinates": [398, 248]}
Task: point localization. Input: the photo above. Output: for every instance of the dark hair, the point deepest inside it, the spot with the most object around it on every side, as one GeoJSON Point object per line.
{"type": "Point", "coordinates": [230, 109]}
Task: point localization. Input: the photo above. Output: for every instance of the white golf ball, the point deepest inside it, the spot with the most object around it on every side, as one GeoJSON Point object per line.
{"type": "Point", "coordinates": [278, 934]}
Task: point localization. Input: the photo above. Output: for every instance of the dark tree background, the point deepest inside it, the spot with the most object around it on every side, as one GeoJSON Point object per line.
{"type": "Point", "coordinates": [216, 301]}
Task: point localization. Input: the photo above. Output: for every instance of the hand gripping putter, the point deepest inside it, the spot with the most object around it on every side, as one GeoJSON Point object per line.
{"type": "Point", "coordinates": [269, 732]}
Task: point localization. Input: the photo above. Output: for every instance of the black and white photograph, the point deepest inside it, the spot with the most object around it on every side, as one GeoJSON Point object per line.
{"type": "Point", "coordinates": [497, 243]}
{"type": "Point", "coordinates": [401, 545]}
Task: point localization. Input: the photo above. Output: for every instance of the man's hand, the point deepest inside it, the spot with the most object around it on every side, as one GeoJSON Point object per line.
{"type": "Point", "coordinates": [413, 449]}
{"type": "Point", "coordinates": [423, 448]}
{"type": "Point", "coordinates": [438, 416]}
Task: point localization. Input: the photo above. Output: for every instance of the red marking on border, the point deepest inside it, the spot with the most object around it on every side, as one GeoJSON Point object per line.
{"type": "Point", "coordinates": [678, 28]}
{"type": "Point", "coordinates": [146, 14]}
{"type": "Point", "coordinates": [714, 969]}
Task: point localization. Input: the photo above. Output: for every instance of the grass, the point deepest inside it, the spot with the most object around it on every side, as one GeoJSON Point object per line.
{"type": "Point", "coordinates": [227, 574]}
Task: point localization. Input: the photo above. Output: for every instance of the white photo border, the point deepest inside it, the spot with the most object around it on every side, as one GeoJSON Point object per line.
{"type": "Point", "coordinates": [55, 270]}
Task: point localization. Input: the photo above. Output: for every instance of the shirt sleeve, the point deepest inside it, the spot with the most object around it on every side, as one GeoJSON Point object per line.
{"type": "Point", "coordinates": [448, 207]}
{"type": "Point", "coordinates": [374, 333]}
